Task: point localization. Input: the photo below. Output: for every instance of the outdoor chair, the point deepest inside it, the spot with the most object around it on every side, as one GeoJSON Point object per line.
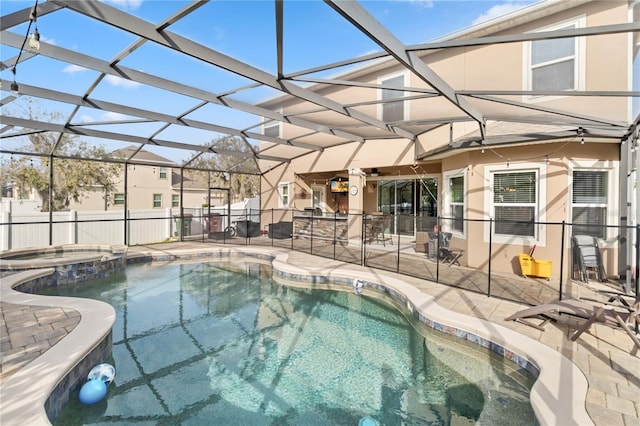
{"type": "Point", "coordinates": [378, 224]}
{"type": "Point", "coordinates": [447, 255]}
{"type": "Point", "coordinates": [625, 315]}
{"type": "Point", "coordinates": [586, 258]}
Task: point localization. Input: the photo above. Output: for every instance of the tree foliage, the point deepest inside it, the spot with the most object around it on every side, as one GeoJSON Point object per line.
{"type": "Point", "coordinates": [237, 173]}
{"type": "Point", "coordinates": [73, 175]}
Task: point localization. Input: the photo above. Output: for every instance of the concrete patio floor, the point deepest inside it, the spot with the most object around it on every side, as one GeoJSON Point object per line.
{"type": "Point", "coordinates": [603, 353]}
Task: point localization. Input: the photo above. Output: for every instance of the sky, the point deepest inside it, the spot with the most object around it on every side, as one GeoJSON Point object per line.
{"type": "Point", "coordinates": [314, 35]}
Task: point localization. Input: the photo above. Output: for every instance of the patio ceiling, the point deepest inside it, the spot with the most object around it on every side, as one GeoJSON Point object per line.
{"type": "Point", "coordinates": [179, 115]}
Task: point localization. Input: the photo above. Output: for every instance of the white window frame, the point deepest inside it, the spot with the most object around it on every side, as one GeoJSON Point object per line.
{"type": "Point", "coordinates": [612, 168]}
{"type": "Point", "coordinates": [405, 104]}
{"type": "Point", "coordinates": [447, 202]}
{"type": "Point", "coordinates": [540, 209]}
{"type": "Point", "coordinates": [153, 201]}
{"type": "Point", "coordinates": [117, 201]}
{"type": "Point", "coordinates": [175, 200]}
{"type": "Point", "coordinates": [266, 124]}
{"type": "Point", "coordinates": [161, 171]}
{"type": "Point", "coordinates": [579, 59]}
{"type": "Point", "coordinates": [281, 201]}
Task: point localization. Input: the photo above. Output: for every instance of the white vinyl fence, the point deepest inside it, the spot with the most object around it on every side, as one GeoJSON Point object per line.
{"type": "Point", "coordinates": [28, 228]}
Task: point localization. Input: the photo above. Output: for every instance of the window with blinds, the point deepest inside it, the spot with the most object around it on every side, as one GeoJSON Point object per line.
{"type": "Point", "coordinates": [514, 203]}
{"type": "Point", "coordinates": [392, 111]}
{"type": "Point", "coordinates": [589, 203]}
{"type": "Point", "coordinates": [456, 187]}
{"type": "Point", "coordinates": [553, 63]}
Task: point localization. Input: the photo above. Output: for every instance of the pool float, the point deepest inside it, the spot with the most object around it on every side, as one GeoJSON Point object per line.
{"type": "Point", "coordinates": [95, 388]}
{"type": "Point", "coordinates": [358, 285]}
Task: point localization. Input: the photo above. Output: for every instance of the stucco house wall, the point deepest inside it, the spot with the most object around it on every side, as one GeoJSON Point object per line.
{"type": "Point", "coordinates": [604, 63]}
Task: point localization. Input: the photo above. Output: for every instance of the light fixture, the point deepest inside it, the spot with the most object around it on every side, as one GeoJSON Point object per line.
{"type": "Point", "coordinates": [34, 38]}
{"type": "Point", "coordinates": [15, 90]}
{"type": "Point", "coordinates": [581, 134]}
{"type": "Point", "coordinates": [34, 41]}
{"type": "Point", "coordinates": [34, 45]}
{"type": "Point", "coordinates": [374, 172]}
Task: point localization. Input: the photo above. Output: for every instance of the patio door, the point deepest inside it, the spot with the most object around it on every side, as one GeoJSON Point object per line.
{"type": "Point", "coordinates": [412, 202]}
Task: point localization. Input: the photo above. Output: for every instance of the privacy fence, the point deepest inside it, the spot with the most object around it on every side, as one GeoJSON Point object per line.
{"type": "Point", "coordinates": [485, 256]}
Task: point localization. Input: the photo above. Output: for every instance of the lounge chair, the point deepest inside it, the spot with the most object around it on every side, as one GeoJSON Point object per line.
{"type": "Point", "coordinates": [592, 311]}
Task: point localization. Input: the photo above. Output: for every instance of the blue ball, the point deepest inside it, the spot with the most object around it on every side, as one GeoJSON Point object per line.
{"type": "Point", "coordinates": [92, 391]}
{"type": "Point", "coordinates": [368, 421]}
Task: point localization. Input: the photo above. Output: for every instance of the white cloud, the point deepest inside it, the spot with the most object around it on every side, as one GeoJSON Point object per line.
{"type": "Point", "coordinates": [86, 119]}
{"type": "Point", "coordinates": [72, 69]}
{"type": "Point", "coordinates": [121, 82]}
{"type": "Point", "coordinates": [498, 10]}
{"type": "Point", "coordinates": [421, 3]}
{"type": "Point", "coordinates": [45, 39]}
{"type": "Point", "coordinates": [126, 4]}
{"type": "Point", "coordinates": [113, 116]}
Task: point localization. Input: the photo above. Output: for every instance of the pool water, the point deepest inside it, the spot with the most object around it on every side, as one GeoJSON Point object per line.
{"type": "Point", "coordinates": [222, 343]}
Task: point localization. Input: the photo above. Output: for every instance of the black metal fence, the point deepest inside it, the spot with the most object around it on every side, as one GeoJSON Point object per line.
{"type": "Point", "coordinates": [470, 254]}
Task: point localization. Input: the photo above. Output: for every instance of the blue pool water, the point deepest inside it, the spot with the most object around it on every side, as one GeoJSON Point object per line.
{"type": "Point", "coordinates": [223, 344]}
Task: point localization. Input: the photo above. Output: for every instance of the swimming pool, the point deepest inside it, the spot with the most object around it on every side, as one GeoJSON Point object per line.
{"type": "Point", "coordinates": [222, 343]}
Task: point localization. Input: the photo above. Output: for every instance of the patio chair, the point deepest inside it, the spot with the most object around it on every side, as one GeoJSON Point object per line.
{"type": "Point", "coordinates": [446, 254]}
{"type": "Point", "coordinates": [616, 314]}
{"type": "Point", "coordinates": [586, 258]}
{"type": "Point", "coordinates": [379, 223]}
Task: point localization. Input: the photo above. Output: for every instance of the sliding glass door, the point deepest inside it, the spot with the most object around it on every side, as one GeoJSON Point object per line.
{"type": "Point", "coordinates": [412, 202]}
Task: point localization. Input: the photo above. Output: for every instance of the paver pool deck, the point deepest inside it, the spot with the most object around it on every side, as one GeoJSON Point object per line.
{"type": "Point", "coordinates": [603, 354]}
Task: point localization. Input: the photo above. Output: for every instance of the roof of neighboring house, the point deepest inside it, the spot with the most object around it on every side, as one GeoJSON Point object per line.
{"type": "Point", "coordinates": [135, 154]}
{"type": "Point", "coordinates": [197, 181]}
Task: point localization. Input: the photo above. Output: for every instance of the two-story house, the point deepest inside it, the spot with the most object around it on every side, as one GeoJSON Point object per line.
{"type": "Point", "coordinates": [519, 120]}
{"type": "Point", "coordinates": [154, 185]}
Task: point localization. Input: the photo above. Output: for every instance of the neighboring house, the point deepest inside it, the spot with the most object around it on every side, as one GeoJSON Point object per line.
{"type": "Point", "coordinates": [532, 165]}
{"type": "Point", "coordinates": [155, 185]}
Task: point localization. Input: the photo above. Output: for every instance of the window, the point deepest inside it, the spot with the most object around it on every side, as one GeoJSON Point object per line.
{"type": "Point", "coordinates": [392, 111]}
{"type": "Point", "coordinates": [163, 173]}
{"type": "Point", "coordinates": [514, 203]}
{"type": "Point", "coordinates": [283, 195]}
{"type": "Point", "coordinates": [456, 193]}
{"type": "Point", "coordinates": [118, 199]}
{"type": "Point", "coordinates": [554, 64]}
{"type": "Point", "coordinates": [175, 200]}
{"type": "Point", "coordinates": [157, 200]}
{"type": "Point", "coordinates": [589, 203]}
{"type": "Point", "coordinates": [271, 129]}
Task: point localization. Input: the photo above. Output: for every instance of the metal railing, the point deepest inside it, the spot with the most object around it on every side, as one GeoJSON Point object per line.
{"type": "Point", "coordinates": [464, 253]}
